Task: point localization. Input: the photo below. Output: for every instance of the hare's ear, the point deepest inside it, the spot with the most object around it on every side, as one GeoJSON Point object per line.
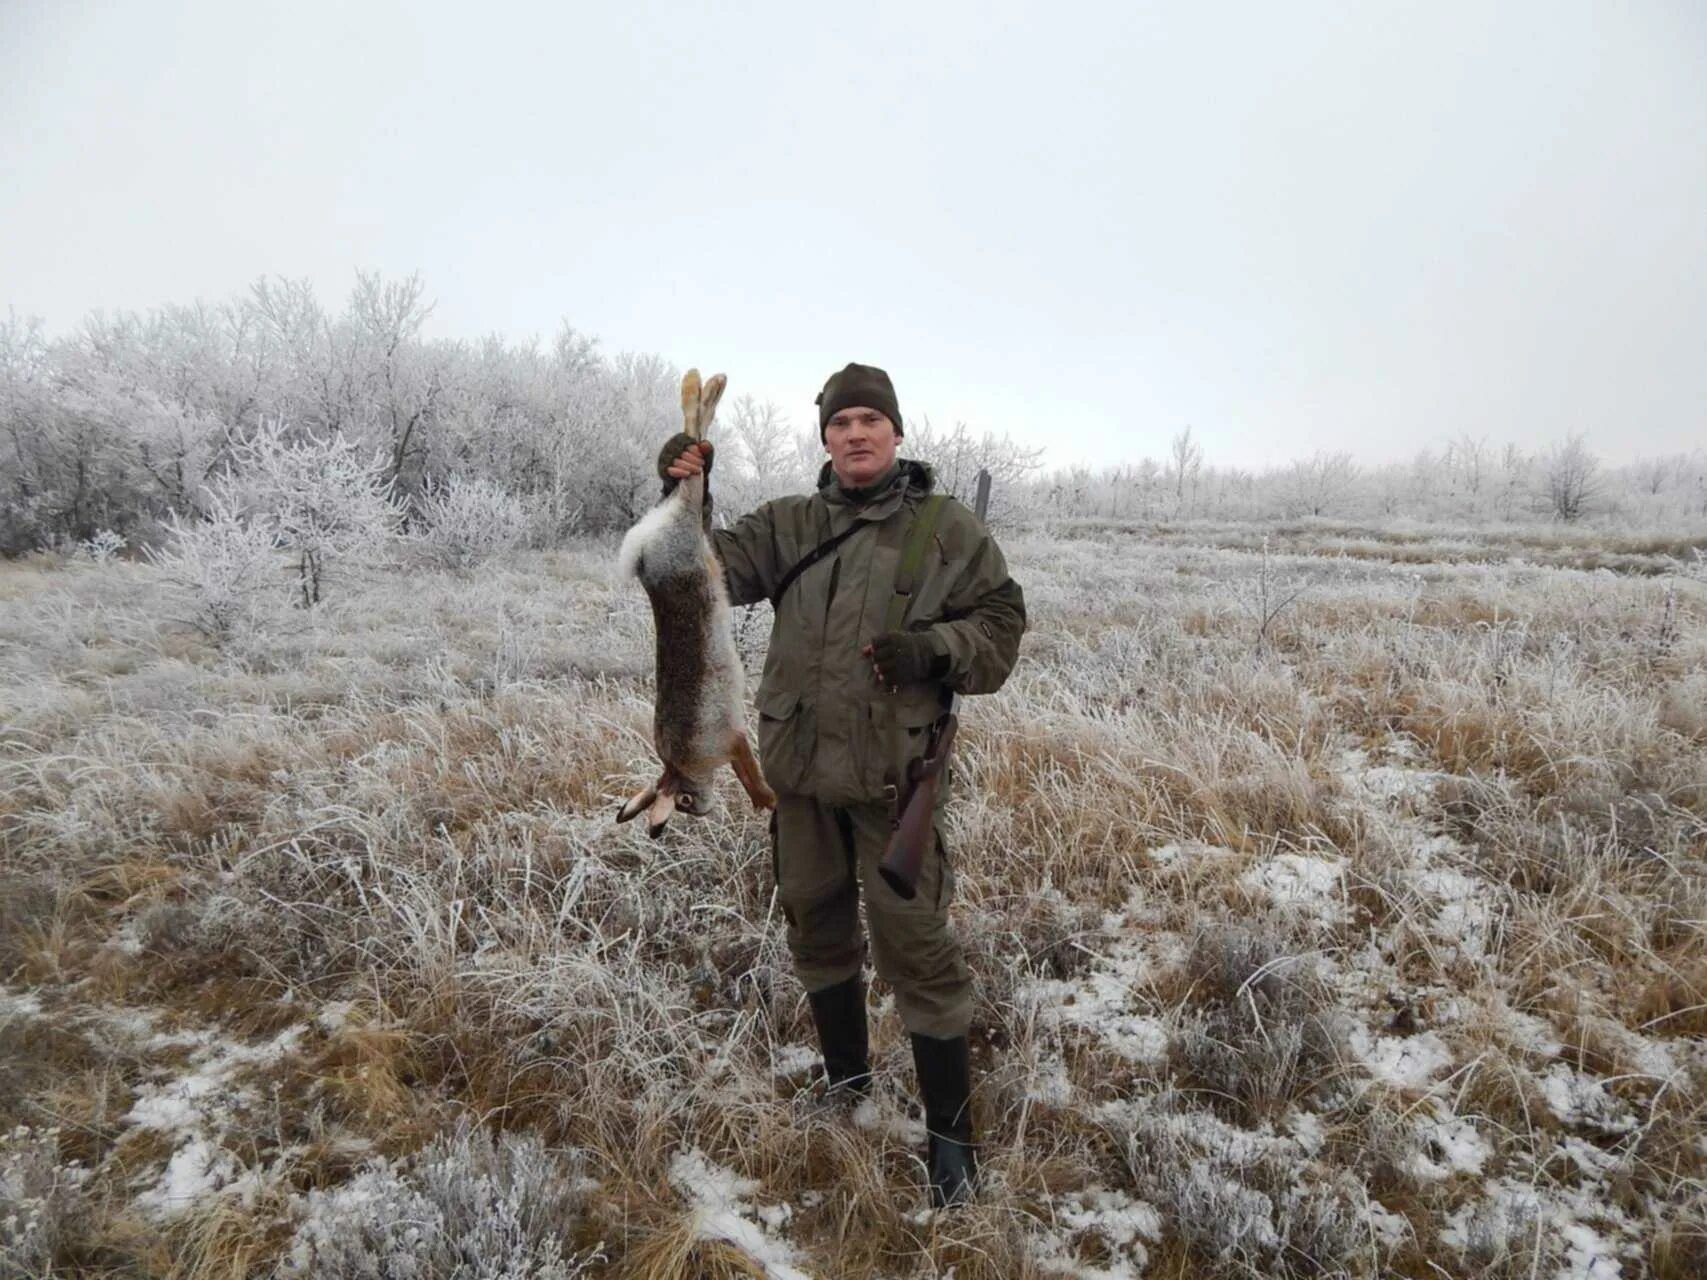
{"type": "Point", "coordinates": [708, 398]}
{"type": "Point", "coordinates": [690, 403]}
{"type": "Point", "coordinates": [662, 808]}
{"type": "Point", "coordinates": [636, 805]}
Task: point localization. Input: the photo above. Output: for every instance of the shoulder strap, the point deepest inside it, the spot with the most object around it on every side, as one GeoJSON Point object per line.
{"type": "Point", "coordinates": [913, 558]}
{"type": "Point", "coordinates": [813, 556]}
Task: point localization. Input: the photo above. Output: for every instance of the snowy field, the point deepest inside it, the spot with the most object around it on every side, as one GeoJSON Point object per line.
{"type": "Point", "coordinates": [1339, 910]}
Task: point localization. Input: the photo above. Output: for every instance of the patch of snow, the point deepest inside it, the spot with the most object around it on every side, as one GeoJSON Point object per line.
{"type": "Point", "coordinates": [1100, 1000]}
{"type": "Point", "coordinates": [793, 1059]}
{"type": "Point", "coordinates": [1505, 1217]}
{"type": "Point", "coordinates": [1050, 1085]}
{"type": "Point", "coordinates": [1463, 916]}
{"type": "Point", "coordinates": [1406, 1062]}
{"type": "Point", "coordinates": [1447, 1144]}
{"type": "Point", "coordinates": [1114, 1219]}
{"type": "Point", "coordinates": [873, 1117]}
{"type": "Point", "coordinates": [1590, 1158]}
{"type": "Point", "coordinates": [184, 1103]}
{"type": "Point", "coordinates": [1395, 782]}
{"type": "Point", "coordinates": [1306, 1128]}
{"type": "Point", "coordinates": [177, 1106]}
{"type": "Point", "coordinates": [1137, 1039]}
{"type": "Point", "coordinates": [196, 1169]}
{"type": "Point", "coordinates": [722, 1212]}
{"type": "Point", "coordinates": [1516, 1216]}
{"type": "Point", "coordinates": [1526, 1031]}
{"type": "Point", "coordinates": [1391, 1229]}
{"type": "Point", "coordinates": [1178, 853]}
{"type": "Point", "coordinates": [192, 1108]}
{"type": "Point", "coordinates": [1579, 1099]}
{"type": "Point", "coordinates": [1310, 885]}
{"type": "Point", "coordinates": [1588, 1256]}
{"type": "Point", "coordinates": [1656, 1057]}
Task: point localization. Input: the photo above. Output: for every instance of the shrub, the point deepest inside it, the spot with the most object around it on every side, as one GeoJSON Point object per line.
{"type": "Point", "coordinates": [223, 562]}
{"type": "Point", "coordinates": [468, 521]}
{"type": "Point", "coordinates": [469, 1205]}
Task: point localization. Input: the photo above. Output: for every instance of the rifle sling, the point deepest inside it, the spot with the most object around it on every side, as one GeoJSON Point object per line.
{"type": "Point", "coordinates": [913, 559]}
{"type": "Point", "coordinates": [906, 575]}
{"type": "Point", "coordinates": [812, 557]}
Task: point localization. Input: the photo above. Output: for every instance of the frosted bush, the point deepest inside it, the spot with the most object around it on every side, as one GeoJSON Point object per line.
{"type": "Point", "coordinates": [467, 1207]}
{"type": "Point", "coordinates": [1215, 1209]}
{"type": "Point", "coordinates": [1269, 1035]}
{"type": "Point", "coordinates": [319, 498]}
{"type": "Point", "coordinates": [35, 1198]}
{"type": "Point", "coordinates": [102, 547]}
{"type": "Point", "coordinates": [470, 520]}
{"type": "Point", "coordinates": [224, 562]}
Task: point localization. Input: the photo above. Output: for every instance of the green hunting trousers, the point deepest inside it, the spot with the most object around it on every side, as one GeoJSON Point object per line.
{"type": "Point", "coordinates": [824, 856]}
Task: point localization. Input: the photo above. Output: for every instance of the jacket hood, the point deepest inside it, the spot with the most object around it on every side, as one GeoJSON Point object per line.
{"type": "Point", "coordinates": [918, 477]}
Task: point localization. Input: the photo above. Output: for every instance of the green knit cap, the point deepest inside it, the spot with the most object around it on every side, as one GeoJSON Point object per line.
{"type": "Point", "coordinates": [858, 386]}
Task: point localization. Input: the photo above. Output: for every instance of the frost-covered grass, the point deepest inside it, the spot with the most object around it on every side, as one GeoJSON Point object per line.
{"type": "Point", "coordinates": [1378, 951]}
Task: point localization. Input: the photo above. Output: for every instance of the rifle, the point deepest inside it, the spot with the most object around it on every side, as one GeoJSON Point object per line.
{"type": "Point", "coordinates": [910, 832]}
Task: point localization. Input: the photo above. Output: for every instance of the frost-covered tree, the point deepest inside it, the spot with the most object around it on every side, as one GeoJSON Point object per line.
{"type": "Point", "coordinates": [619, 427]}
{"type": "Point", "coordinates": [1467, 463]}
{"type": "Point", "coordinates": [1570, 474]}
{"type": "Point", "coordinates": [1185, 465]}
{"type": "Point", "coordinates": [761, 455]}
{"type": "Point", "coordinates": [320, 499]}
{"type": "Point", "coordinates": [400, 379]}
{"type": "Point", "coordinates": [957, 456]}
{"type": "Point", "coordinates": [227, 563]}
{"type": "Point", "coordinates": [1320, 482]}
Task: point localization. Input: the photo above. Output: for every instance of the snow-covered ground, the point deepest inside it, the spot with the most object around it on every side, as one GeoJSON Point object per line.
{"type": "Point", "coordinates": [1378, 951]}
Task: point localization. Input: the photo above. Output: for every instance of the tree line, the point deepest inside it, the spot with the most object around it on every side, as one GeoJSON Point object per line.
{"type": "Point", "coordinates": [135, 425]}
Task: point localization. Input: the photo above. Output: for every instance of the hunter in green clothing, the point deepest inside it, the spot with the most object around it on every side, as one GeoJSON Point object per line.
{"type": "Point", "coordinates": [845, 702]}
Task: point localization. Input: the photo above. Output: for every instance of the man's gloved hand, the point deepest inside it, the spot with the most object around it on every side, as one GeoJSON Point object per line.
{"type": "Point", "coordinates": [681, 457]}
{"type": "Point", "coordinates": [906, 657]}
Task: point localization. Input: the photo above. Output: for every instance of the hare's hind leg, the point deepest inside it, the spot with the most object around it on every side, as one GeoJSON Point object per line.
{"type": "Point", "coordinates": [638, 803]}
{"type": "Point", "coordinates": [746, 766]}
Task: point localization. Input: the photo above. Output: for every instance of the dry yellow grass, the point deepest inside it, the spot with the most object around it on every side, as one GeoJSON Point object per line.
{"type": "Point", "coordinates": [1461, 795]}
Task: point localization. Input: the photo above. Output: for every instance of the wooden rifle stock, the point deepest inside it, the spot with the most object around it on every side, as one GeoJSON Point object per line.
{"type": "Point", "coordinates": [910, 839]}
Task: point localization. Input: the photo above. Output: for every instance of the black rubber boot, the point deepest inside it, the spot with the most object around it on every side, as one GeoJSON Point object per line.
{"type": "Point", "coordinates": [945, 1082]}
{"type": "Point", "coordinates": [839, 1013]}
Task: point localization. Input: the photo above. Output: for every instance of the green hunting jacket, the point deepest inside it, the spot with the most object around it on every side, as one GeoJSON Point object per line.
{"type": "Point", "coordinates": [826, 729]}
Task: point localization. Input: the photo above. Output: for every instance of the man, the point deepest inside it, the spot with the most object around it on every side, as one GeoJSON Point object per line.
{"type": "Point", "coordinates": [847, 699]}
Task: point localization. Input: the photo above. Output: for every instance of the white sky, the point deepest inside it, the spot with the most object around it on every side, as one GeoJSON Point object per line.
{"type": "Point", "coordinates": [1306, 226]}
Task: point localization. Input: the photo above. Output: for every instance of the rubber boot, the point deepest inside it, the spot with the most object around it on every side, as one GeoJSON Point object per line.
{"type": "Point", "coordinates": [839, 1013]}
{"type": "Point", "coordinates": [945, 1082]}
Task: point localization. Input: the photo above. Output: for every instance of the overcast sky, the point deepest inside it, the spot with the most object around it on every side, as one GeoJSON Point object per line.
{"type": "Point", "coordinates": [1365, 226]}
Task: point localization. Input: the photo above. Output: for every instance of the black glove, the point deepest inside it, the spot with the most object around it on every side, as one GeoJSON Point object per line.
{"type": "Point", "coordinates": [674, 447]}
{"type": "Point", "coordinates": [906, 657]}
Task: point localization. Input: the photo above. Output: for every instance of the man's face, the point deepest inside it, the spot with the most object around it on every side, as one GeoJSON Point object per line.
{"type": "Point", "coordinates": [861, 444]}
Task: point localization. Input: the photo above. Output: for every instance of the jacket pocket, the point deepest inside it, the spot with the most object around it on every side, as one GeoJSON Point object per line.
{"type": "Point", "coordinates": [785, 739]}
